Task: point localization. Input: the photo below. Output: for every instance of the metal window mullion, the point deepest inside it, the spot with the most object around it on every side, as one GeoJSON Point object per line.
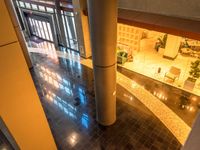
{"type": "Point", "coordinates": [49, 28]}
{"type": "Point", "coordinates": [35, 27]}
{"type": "Point", "coordinates": [31, 27]}
{"type": "Point", "coordinates": [74, 26]}
{"type": "Point", "coordinates": [63, 21]}
{"type": "Point", "coordinates": [67, 32]}
{"type": "Point", "coordinates": [38, 28]}
{"type": "Point", "coordinates": [68, 27]}
{"type": "Point", "coordinates": [46, 35]}
{"type": "Point", "coordinates": [42, 30]}
{"type": "Point", "coordinates": [47, 31]}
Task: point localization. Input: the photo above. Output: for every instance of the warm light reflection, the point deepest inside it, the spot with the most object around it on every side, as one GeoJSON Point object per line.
{"type": "Point", "coordinates": [194, 98]}
{"type": "Point", "coordinates": [55, 79]}
{"type": "Point", "coordinates": [67, 108]}
{"type": "Point", "coordinates": [48, 49]}
{"type": "Point", "coordinates": [73, 139]}
{"type": "Point", "coordinates": [128, 96]}
{"type": "Point", "coordinates": [160, 95]}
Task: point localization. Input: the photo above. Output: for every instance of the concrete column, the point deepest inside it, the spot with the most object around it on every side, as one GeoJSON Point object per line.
{"type": "Point", "coordinates": [20, 36]}
{"type": "Point", "coordinates": [82, 27]}
{"type": "Point", "coordinates": [172, 46]}
{"type": "Point", "coordinates": [103, 33]}
{"type": "Point", "coordinates": [193, 141]}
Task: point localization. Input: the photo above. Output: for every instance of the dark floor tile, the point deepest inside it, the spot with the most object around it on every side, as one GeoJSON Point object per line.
{"type": "Point", "coordinates": [68, 99]}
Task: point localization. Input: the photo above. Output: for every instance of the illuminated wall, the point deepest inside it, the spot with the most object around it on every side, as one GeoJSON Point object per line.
{"type": "Point", "coordinates": [129, 36]}
{"type": "Point", "coordinates": [20, 107]}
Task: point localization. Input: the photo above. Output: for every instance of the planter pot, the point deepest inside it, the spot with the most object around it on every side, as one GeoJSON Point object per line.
{"type": "Point", "coordinates": [189, 84]}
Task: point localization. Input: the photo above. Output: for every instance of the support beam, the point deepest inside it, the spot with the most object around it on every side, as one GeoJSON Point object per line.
{"type": "Point", "coordinates": [20, 36]}
{"type": "Point", "coordinates": [20, 107]}
{"type": "Point", "coordinates": [103, 33]}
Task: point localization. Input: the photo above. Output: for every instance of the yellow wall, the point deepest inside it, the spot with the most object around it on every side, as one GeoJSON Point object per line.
{"type": "Point", "coordinates": [20, 106]}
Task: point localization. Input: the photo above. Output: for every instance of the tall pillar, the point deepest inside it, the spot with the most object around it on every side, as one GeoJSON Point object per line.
{"type": "Point", "coordinates": [103, 33]}
{"type": "Point", "coordinates": [20, 106]}
{"type": "Point", "coordinates": [18, 31]}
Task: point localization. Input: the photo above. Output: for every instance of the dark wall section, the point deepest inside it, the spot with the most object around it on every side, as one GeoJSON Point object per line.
{"type": "Point", "coordinates": [180, 8]}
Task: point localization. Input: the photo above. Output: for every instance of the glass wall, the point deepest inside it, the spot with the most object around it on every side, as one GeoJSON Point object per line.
{"type": "Point", "coordinates": [41, 29]}
{"type": "Point", "coordinates": [161, 56]}
{"type": "Point", "coordinates": [44, 30]}
{"type": "Point", "coordinates": [70, 29]}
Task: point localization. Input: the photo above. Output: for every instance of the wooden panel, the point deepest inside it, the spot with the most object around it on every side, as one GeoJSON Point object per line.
{"type": "Point", "coordinates": [7, 33]}
{"type": "Point", "coordinates": [20, 106]}
{"type": "Point", "coordinates": [176, 26]}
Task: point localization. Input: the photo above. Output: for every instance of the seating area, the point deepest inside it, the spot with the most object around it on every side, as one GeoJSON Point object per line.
{"type": "Point", "coordinates": [124, 53]}
{"type": "Point", "coordinates": [173, 73]}
{"type": "Point", "coordinates": [122, 57]}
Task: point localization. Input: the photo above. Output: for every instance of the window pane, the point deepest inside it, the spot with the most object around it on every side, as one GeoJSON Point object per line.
{"type": "Point", "coordinates": [39, 28]}
{"type": "Point", "coordinates": [17, 3]}
{"type": "Point", "coordinates": [50, 33]}
{"type": "Point", "coordinates": [28, 5]}
{"type": "Point", "coordinates": [30, 22]}
{"type": "Point", "coordinates": [46, 30]}
{"type": "Point", "coordinates": [68, 28]}
{"type": "Point", "coordinates": [65, 29]}
{"type": "Point", "coordinates": [21, 4]}
{"type": "Point", "coordinates": [34, 6]}
{"type": "Point", "coordinates": [50, 10]}
{"type": "Point", "coordinates": [35, 27]}
{"type": "Point", "coordinates": [42, 30]}
{"type": "Point", "coordinates": [41, 8]}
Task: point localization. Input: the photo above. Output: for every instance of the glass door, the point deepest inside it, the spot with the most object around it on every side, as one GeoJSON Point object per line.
{"type": "Point", "coordinates": [40, 28]}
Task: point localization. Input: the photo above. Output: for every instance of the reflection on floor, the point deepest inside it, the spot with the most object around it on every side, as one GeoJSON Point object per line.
{"type": "Point", "coordinates": [148, 60]}
{"type": "Point", "coordinates": [173, 122]}
{"type": "Point", "coordinates": [184, 104]}
{"type": "Point", "coordinates": [66, 91]}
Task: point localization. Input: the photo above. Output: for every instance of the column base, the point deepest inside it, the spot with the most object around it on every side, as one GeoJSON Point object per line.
{"type": "Point", "coordinates": [105, 94]}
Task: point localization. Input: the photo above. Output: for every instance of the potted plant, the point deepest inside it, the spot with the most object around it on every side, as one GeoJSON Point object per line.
{"type": "Point", "coordinates": [161, 43]}
{"type": "Point", "coordinates": [194, 75]}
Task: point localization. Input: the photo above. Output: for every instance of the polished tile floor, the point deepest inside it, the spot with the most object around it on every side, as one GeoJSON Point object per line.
{"type": "Point", "coordinates": [185, 104]}
{"type": "Point", "coordinates": [154, 102]}
{"type": "Point", "coordinates": [66, 91]}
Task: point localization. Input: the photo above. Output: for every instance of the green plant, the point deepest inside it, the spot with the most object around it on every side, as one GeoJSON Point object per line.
{"type": "Point", "coordinates": [161, 42]}
{"type": "Point", "coordinates": [185, 44]}
{"type": "Point", "coordinates": [195, 70]}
